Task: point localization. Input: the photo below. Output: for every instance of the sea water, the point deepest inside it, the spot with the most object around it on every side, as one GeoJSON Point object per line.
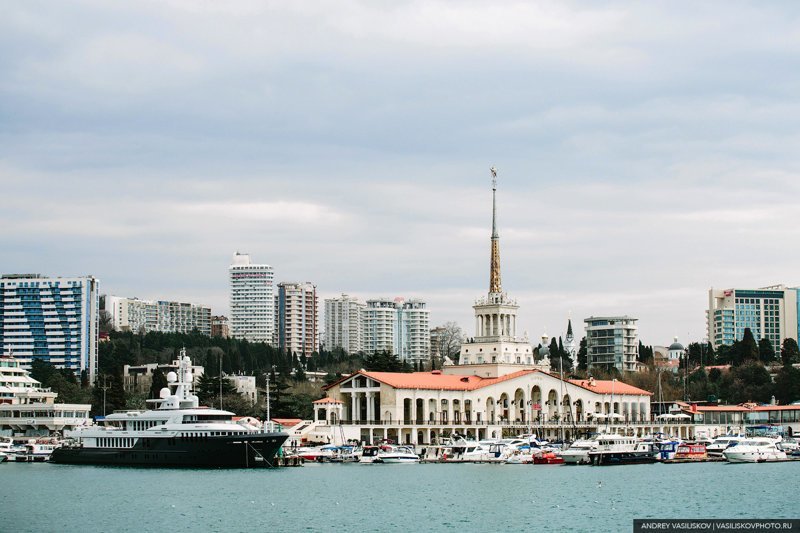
{"type": "Point", "coordinates": [415, 497]}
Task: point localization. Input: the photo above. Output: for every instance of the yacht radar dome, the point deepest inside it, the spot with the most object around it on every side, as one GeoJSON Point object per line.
{"type": "Point", "coordinates": [172, 377]}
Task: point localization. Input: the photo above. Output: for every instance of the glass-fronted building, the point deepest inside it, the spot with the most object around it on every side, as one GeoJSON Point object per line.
{"type": "Point", "coordinates": [53, 319]}
{"type": "Point", "coordinates": [769, 312]}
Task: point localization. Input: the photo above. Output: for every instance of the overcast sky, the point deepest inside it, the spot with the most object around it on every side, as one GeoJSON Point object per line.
{"type": "Point", "coordinates": [645, 151]}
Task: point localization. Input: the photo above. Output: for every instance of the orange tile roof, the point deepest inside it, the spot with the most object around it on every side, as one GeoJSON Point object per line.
{"type": "Point", "coordinates": [609, 386]}
{"type": "Point", "coordinates": [438, 381]}
{"type": "Point", "coordinates": [776, 408]}
{"type": "Point", "coordinates": [287, 422]}
{"type": "Point", "coordinates": [327, 400]}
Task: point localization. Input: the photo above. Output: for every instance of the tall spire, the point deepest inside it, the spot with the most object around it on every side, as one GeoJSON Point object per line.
{"type": "Point", "coordinates": [494, 270]}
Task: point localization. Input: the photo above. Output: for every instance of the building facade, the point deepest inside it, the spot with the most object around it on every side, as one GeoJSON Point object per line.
{"type": "Point", "coordinates": [26, 409]}
{"type": "Point", "coordinates": [481, 402]}
{"type": "Point", "coordinates": [297, 330]}
{"type": "Point", "coordinates": [612, 342]}
{"type": "Point", "coordinates": [219, 327]}
{"type": "Point", "coordinates": [53, 319]}
{"type": "Point", "coordinates": [398, 326]}
{"type": "Point", "coordinates": [252, 300]}
{"type": "Point", "coordinates": [144, 316]}
{"type": "Point", "coordinates": [343, 323]}
{"type": "Point", "coordinates": [769, 312]}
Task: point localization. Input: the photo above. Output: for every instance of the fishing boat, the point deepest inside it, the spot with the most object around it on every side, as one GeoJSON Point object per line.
{"type": "Point", "coordinates": [177, 433]}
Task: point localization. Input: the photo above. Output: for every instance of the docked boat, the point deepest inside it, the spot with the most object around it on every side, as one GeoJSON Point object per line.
{"type": "Point", "coordinates": [578, 452]}
{"type": "Point", "coordinates": [548, 458]}
{"type": "Point", "coordinates": [36, 451]}
{"type": "Point", "coordinates": [389, 454]}
{"type": "Point", "coordinates": [754, 450]}
{"type": "Point", "coordinates": [691, 452]}
{"type": "Point", "coordinates": [620, 449]}
{"type": "Point", "coordinates": [178, 432]}
{"type": "Point", "coordinates": [719, 445]}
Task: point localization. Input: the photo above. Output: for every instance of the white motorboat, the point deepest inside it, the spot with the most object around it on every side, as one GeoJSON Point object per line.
{"type": "Point", "coordinates": [36, 451]}
{"type": "Point", "coordinates": [578, 452]}
{"type": "Point", "coordinates": [719, 445]}
{"type": "Point", "coordinates": [619, 449]}
{"type": "Point", "coordinates": [789, 445]}
{"type": "Point", "coordinates": [396, 455]}
{"type": "Point", "coordinates": [754, 450]}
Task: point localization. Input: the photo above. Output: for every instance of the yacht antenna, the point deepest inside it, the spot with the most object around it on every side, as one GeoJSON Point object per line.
{"type": "Point", "coordinates": [220, 382]}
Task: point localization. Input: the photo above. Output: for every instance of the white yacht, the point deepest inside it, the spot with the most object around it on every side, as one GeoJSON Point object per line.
{"type": "Point", "coordinates": [619, 449]}
{"type": "Point", "coordinates": [578, 452]}
{"type": "Point", "coordinates": [177, 433]}
{"type": "Point", "coordinates": [719, 445]}
{"type": "Point", "coordinates": [754, 450]}
{"type": "Point", "coordinates": [36, 451]}
{"type": "Point", "coordinates": [390, 454]}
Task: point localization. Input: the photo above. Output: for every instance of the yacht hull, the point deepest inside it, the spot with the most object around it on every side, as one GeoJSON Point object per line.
{"type": "Point", "coordinates": [239, 451]}
{"type": "Point", "coordinates": [621, 458]}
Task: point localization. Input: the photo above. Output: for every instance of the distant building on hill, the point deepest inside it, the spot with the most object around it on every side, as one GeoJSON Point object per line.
{"type": "Point", "coordinates": [252, 300]}
{"type": "Point", "coordinates": [769, 312]}
{"type": "Point", "coordinates": [344, 323]}
{"type": "Point", "coordinates": [144, 316]}
{"type": "Point", "coordinates": [297, 327]}
{"type": "Point", "coordinates": [219, 327]}
{"type": "Point", "coordinates": [52, 319]}
{"type": "Point", "coordinates": [612, 342]}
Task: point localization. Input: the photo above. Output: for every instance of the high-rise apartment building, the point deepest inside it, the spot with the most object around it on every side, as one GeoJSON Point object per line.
{"type": "Point", "coordinates": [398, 326]}
{"type": "Point", "coordinates": [343, 323]}
{"type": "Point", "coordinates": [769, 312]}
{"type": "Point", "coordinates": [297, 330]}
{"type": "Point", "coordinates": [612, 341]}
{"type": "Point", "coordinates": [252, 300]}
{"type": "Point", "coordinates": [144, 316]}
{"type": "Point", "coordinates": [53, 319]}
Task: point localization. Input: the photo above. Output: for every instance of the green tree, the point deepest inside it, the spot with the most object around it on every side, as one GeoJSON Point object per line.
{"type": "Point", "coordinates": [384, 362]}
{"type": "Point", "coordinates": [207, 389]}
{"type": "Point", "coordinates": [746, 350]}
{"type": "Point", "coordinates": [765, 351]}
{"type": "Point", "coordinates": [159, 382]}
{"type": "Point", "coordinates": [790, 353]}
{"type": "Point", "coordinates": [749, 382]}
{"type": "Point", "coordinates": [787, 385]}
{"type": "Point", "coordinates": [582, 355]}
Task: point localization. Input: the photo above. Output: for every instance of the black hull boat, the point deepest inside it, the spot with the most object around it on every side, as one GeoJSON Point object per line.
{"type": "Point", "coordinates": [241, 451]}
{"type": "Point", "coordinates": [179, 432]}
{"type": "Point", "coordinates": [622, 458]}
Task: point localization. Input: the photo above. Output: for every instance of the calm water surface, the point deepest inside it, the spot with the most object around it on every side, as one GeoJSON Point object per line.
{"type": "Point", "coordinates": [434, 497]}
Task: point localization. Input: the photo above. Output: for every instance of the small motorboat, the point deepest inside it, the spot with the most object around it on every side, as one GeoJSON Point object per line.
{"type": "Point", "coordinates": [396, 455]}
{"type": "Point", "coordinates": [548, 458]}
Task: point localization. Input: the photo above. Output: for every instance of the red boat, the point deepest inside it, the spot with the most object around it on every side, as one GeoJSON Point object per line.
{"type": "Point", "coordinates": [548, 458]}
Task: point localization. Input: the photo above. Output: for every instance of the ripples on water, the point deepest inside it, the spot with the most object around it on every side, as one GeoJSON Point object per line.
{"type": "Point", "coordinates": [355, 498]}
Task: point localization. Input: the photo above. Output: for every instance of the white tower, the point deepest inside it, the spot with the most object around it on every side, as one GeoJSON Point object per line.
{"type": "Point", "coordinates": [496, 340]}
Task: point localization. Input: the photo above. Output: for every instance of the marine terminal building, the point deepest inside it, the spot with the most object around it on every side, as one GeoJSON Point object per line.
{"type": "Point", "coordinates": [497, 389]}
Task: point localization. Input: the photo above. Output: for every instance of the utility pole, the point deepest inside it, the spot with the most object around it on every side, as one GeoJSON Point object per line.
{"type": "Point", "coordinates": [104, 388]}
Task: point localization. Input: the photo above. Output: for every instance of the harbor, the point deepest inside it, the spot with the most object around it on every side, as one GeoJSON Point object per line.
{"type": "Point", "coordinates": [386, 498]}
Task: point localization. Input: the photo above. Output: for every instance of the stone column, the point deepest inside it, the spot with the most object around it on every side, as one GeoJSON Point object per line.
{"type": "Point", "coordinates": [370, 406]}
{"type": "Point", "coordinates": [353, 407]}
